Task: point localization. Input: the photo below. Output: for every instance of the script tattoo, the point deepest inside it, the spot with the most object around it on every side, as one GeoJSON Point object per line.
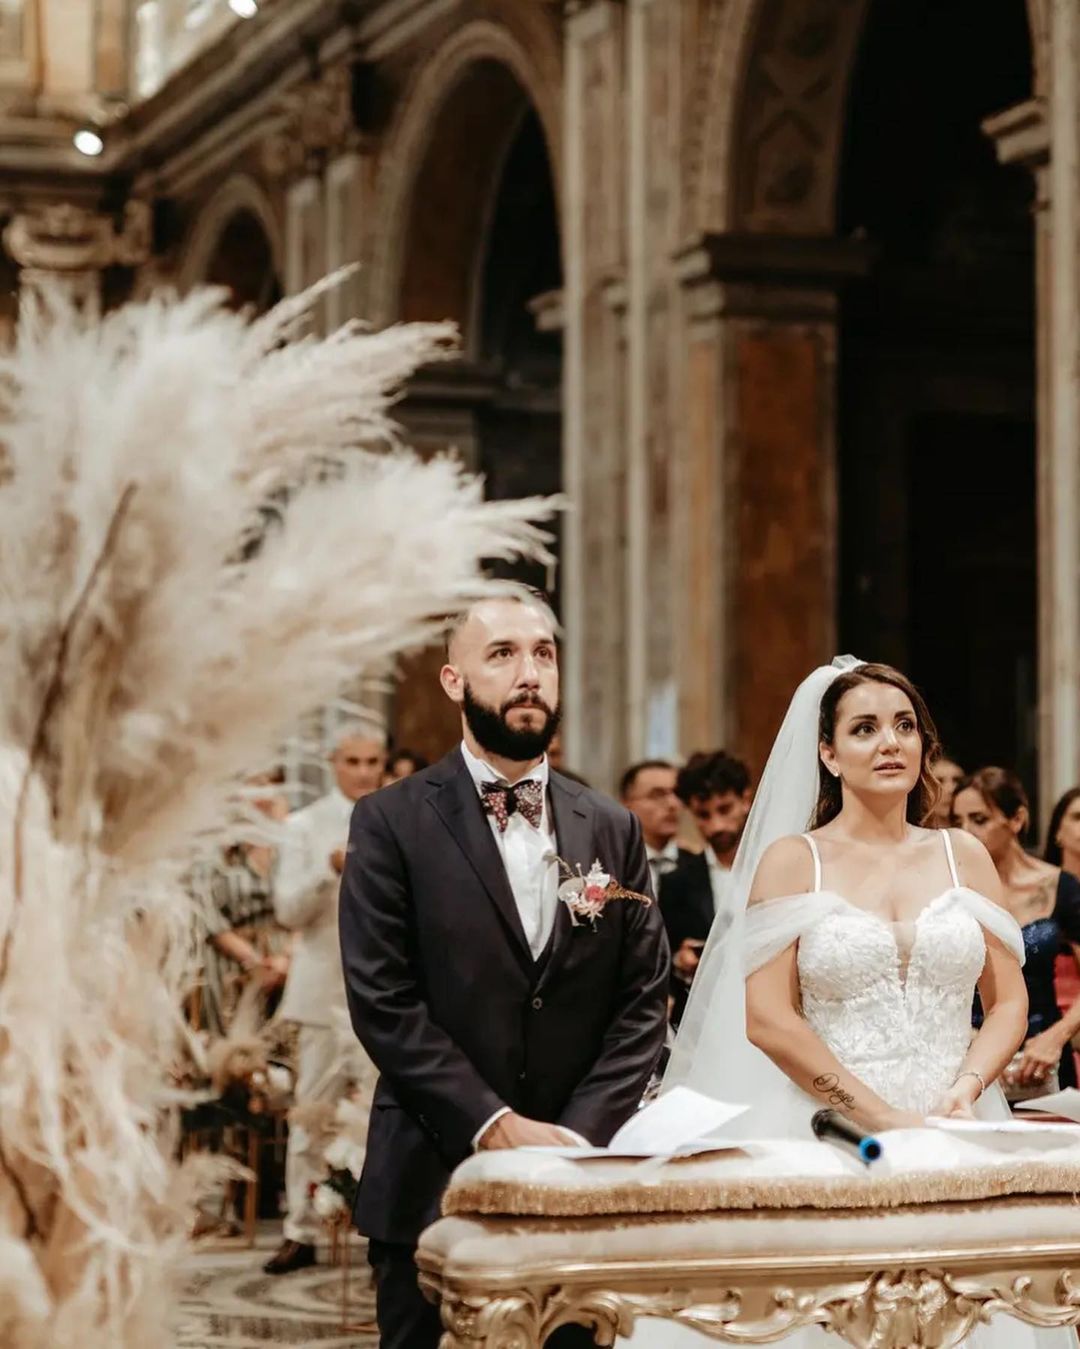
{"type": "Point", "coordinates": [829, 1086]}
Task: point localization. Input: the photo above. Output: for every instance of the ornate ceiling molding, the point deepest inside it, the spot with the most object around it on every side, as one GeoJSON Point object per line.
{"type": "Point", "coordinates": [61, 237]}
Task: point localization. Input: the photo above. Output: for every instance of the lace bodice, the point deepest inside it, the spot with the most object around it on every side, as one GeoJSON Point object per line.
{"type": "Point", "coordinates": [903, 1034]}
{"type": "Point", "coordinates": [891, 1000]}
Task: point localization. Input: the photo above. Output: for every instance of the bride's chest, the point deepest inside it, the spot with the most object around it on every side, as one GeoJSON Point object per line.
{"type": "Point", "coordinates": [849, 952]}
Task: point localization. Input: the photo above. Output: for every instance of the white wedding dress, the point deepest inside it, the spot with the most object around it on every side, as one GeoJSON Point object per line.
{"type": "Point", "coordinates": [893, 1003]}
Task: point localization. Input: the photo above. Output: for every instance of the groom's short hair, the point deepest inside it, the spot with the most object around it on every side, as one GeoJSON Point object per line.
{"type": "Point", "coordinates": [711, 773]}
{"type": "Point", "coordinates": [523, 594]}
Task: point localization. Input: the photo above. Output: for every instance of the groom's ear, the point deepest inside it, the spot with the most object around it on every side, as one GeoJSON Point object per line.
{"type": "Point", "coordinates": [452, 683]}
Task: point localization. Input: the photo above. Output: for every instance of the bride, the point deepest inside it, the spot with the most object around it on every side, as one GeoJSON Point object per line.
{"type": "Point", "coordinates": [860, 936]}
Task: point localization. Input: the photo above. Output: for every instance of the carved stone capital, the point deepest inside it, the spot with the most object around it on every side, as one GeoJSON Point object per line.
{"type": "Point", "coordinates": [60, 238]}
{"type": "Point", "coordinates": [767, 276]}
{"type": "Point", "coordinates": [316, 121]}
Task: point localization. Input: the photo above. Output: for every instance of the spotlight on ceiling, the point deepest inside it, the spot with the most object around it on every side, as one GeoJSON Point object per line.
{"type": "Point", "coordinates": [88, 141]}
{"type": "Point", "coordinates": [244, 9]}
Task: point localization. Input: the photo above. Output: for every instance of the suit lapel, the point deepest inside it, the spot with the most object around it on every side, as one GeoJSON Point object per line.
{"type": "Point", "coordinates": [574, 844]}
{"type": "Point", "coordinates": [458, 806]}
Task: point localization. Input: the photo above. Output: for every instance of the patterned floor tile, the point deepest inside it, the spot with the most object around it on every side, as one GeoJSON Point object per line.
{"type": "Point", "coordinates": [229, 1303]}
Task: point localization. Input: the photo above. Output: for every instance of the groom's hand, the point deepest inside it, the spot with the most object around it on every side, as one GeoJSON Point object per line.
{"type": "Point", "coordinates": [518, 1131]}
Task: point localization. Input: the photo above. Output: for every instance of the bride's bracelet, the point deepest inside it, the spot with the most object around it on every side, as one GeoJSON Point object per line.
{"type": "Point", "coordinates": [972, 1072]}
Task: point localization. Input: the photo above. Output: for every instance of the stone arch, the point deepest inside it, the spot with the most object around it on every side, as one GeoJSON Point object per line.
{"type": "Point", "coordinates": [771, 149]}
{"type": "Point", "coordinates": [239, 195]}
{"type": "Point", "coordinates": [521, 51]}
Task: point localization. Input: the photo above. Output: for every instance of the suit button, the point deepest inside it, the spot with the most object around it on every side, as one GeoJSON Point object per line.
{"type": "Point", "coordinates": [537, 1003]}
{"type": "Point", "coordinates": [521, 1077]}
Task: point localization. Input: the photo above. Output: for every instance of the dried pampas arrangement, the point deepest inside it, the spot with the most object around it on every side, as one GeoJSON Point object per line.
{"type": "Point", "coordinates": [207, 526]}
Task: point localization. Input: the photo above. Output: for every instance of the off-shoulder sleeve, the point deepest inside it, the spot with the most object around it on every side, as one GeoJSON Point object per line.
{"type": "Point", "coordinates": [774, 924]}
{"type": "Point", "coordinates": [1067, 907]}
{"type": "Point", "coordinates": [995, 919]}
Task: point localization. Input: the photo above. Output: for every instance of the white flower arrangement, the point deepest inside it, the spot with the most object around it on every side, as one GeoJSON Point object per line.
{"type": "Point", "coordinates": [161, 632]}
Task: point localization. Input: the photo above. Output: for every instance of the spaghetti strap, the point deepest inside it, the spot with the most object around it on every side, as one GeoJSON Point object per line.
{"type": "Point", "coordinates": [812, 845]}
{"type": "Point", "coordinates": [952, 860]}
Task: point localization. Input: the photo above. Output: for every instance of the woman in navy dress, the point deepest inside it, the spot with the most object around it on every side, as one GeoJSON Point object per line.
{"type": "Point", "coordinates": [1045, 901]}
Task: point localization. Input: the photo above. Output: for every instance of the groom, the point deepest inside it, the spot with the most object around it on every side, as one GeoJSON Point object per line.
{"type": "Point", "coordinates": [494, 1021]}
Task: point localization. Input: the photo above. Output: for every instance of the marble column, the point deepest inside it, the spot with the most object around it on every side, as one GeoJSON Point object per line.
{"type": "Point", "coordinates": [758, 518]}
{"type": "Point", "coordinates": [1059, 495]}
{"type": "Point", "coordinates": [654, 195]}
{"type": "Point", "coordinates": [594, 390]}
{"type": "Point", "coordinates": [1042, 136]}
{"type": "Point", "coordinates": [346, 179]}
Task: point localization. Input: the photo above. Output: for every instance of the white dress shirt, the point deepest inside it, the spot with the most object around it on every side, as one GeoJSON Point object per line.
{"type": "Point", "coordinates": [528, 854]}
{"type": "Point", "coordinates": [662, 862]}
{"type": "Point", "coordinates": [532, 868]}
{"type": "Point", "coordinates": [720, 884]}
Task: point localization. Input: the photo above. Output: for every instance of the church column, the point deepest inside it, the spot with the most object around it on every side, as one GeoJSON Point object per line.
{"type": "Point", "coordinates": [1059, 496]}
{"type": "Point", "coordinates": [653, 195]}
{"type": "Point", "coordinates": [594, 299]}
{"type": "Point", "coordinates": [759, 606]}
{"type": "Point", "coordinates": [1043, 136]}
{"type": "Point", "coordinates": [63, 248]}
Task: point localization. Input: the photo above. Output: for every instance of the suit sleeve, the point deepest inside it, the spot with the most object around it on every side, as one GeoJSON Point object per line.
{"type": "Point", "coordinates": [431, 1077]}
{"type": "Point", "coordinates": [612, 1089]}
{"type": "Point", "coordinates": [305, 884]}
{"type": "Point", "coordinates": [672, 906]}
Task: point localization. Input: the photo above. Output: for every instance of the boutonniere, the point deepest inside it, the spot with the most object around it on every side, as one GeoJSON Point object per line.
{"type": "Point", "coordinates": [586, 893]}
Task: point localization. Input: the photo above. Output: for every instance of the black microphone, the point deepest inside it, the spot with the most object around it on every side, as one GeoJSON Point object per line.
{"type": "Point", "coordinates": [832, 1127]}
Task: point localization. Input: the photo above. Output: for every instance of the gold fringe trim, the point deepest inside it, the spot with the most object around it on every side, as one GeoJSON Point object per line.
{"type": "Point", "coordinates": [914, 1187]}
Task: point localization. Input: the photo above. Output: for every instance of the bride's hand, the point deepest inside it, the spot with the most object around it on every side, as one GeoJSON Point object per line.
{"type": "Point", "coordinates": [959, 1101]}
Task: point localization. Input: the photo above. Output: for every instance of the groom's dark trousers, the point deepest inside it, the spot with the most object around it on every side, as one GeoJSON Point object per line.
{"type": "Point", "coordinates": [461, 1020]}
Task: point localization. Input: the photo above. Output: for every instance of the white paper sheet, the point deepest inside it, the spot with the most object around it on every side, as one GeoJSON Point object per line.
{"type": "Point", "coordinates": [677, 1124]}
{"type": "Point", "coordinates": [679, 1117]}
{"type": "Point", "coordinates": [1065, 1103]}
{"type": "Point", "coordinates": [1011, 1134]}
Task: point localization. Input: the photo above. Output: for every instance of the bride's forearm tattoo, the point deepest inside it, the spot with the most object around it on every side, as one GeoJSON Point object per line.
{"type": "Point", "coordinates": [829, 1086]}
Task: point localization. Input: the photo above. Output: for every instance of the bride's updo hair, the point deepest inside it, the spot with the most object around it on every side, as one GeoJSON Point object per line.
{"type": "Point", "coordinates": [925, 793]}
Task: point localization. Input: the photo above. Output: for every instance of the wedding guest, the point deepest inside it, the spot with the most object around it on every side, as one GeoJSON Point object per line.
{"type": "Point", "coordinates": [947, 775]}
{"type": "Point", "coordinates": [555, 758]}
{"type": "Point", "coordinates": [306, 901]}
{"type": "Point", "coordinates": [401, 764]}
{"type": "Point", "coordinates": [647, 790]}
{"type": "Point", "coordinates": [715, 788]}
{"type": "Point", "coordinates": [236, 908]}
{"type": "Point", "coordinates": [1063, 834]}
{"type": "Point", "coordinates": [1063, 850]}
{"type": "Point", "coordinates": [1045, 901]}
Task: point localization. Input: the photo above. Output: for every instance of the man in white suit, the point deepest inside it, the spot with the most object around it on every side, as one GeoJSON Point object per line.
{"type": "Point", "coordinates": [306, 901]}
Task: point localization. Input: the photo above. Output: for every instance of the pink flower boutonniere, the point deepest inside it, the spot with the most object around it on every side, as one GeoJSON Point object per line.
{"type": "Point", "coordinates": [586, 894]}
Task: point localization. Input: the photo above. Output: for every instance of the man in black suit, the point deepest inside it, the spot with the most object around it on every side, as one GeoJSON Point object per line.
{"type": "Point", "coordinates": [715, 788]}
{"type": "Point", "coordinates": [647, 790]}
{"type": "Point", "coordinates": [494, 1020]}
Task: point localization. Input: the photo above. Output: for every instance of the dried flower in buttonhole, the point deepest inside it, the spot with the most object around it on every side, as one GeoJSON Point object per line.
{"type": "Point", "coordinates": [587, 893]}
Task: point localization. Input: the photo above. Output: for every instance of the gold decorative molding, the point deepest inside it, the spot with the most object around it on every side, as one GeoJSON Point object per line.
{"type": "Point", "coordinates": [316, 120]}
{"type": "Point", "coordinates": [924, 1307]}
{"type": "Point", "coordinates": [62, 238]}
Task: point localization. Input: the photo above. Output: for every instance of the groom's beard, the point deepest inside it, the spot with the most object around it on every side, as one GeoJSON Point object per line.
{"type": "Point", "coordinates": [493, 733]}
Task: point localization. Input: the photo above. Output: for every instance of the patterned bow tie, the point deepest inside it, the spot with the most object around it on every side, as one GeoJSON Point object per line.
{"type": "Point", "coordinates": [502, 801]}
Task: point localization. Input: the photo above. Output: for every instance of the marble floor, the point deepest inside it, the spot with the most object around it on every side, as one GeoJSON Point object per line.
{"type": "Point", "coordinates": [229, 1303]}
